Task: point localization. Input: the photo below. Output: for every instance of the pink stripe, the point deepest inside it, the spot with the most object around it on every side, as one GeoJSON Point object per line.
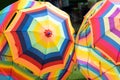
{"type": "Point", "coordinates": [102, 9]}
{"type": "Point", "coordinates": [96, 23]}
{"type": "Point", "coordinates": [112, 52]}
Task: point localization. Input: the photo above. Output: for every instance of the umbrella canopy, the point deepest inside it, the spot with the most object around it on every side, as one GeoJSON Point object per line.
{"type": "Point", "coordinates": [94, 66]}
{"type": "Point", "coordinates": [41, 37]}
{"type": "Point", "coordinates": [12, 71]}
{"type": "Point", "coordinates": [105, 29]}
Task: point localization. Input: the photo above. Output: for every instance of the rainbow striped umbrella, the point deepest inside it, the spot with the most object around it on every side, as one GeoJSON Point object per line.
{"type": "Point", "coordinates": [105, 27]}
{"type": "Point", "coordinates": [94, 66]}
{"type": "Point", "coordinates": [6, 16]}
{"type": "Point", "coordinates": [41, 37]}
{"type": "Point", "coordinates": [93, 56]}
{"type": "Point", "coordinates": [12, 71]}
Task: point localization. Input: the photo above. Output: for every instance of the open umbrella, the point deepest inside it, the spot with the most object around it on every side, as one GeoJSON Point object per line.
{"type": "Point", "coordinates": [94, 66]}
{"type": "Point", "coordinates": [12, 71]}
{"type": "Point", "coordinates": [41, 37]}
{"type": "Point", "coordinates": [105, 29]}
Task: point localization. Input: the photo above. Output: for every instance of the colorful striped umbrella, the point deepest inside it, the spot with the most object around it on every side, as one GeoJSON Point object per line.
{"type": "Point", "coordinates": [93, 61]}
{"type": "Point", "coordinates": [6, 16]}
{"type": "Point", "coordinates": [94, 66]}
{"type": "Point", "coordinates": [105, 27]}
{"type": "Point", "coordinates": [41, 37]}
{"type": "Point", "coordinates": [12, 71]}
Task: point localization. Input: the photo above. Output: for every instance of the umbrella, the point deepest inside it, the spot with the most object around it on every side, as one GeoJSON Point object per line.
{"type": "Point", "coordinates": [94, 66]}
{"type": "Point", "coordinates": [12, 71]}
{"type": "Point", "coordinates": [41, 37]}
{"type": "Point", "coordinates": [106, 31]}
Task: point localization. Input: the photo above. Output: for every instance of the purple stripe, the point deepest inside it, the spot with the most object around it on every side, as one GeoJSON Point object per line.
{"type": "Point", "coordinates": [81, 62]}
{"type": "Point", "coordinates": [95, 70]}
{"type": "Point", "coordinates": [111, 22]}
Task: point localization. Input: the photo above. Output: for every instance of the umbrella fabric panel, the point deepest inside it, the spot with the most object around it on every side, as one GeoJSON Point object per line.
{"type": "Point", "coordinates": [15, 72]}
{"type": "Point", "coordinates": [106, 34]}
{"type": "Point", "coordinates": [62, 74]}
{"type": "Point", "coordinates": [93, 65]}
{"type": "Point", "coordinates": [9, 12]}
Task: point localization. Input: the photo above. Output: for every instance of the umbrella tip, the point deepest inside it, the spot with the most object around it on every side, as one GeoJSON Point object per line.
{"type": "Point", "coordinates": [48, 33]}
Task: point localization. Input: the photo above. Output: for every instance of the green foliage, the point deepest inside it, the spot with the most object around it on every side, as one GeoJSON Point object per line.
{"type": "Point", "coordinates": [76, 74]}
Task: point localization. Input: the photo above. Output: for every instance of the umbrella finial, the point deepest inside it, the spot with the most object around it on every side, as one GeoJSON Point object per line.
{"type": "Point", "coordinates": [48, 33]}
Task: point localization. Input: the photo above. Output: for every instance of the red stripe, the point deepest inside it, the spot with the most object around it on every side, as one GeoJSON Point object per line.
{"type": "Point", "coordinates": [17, 76]}
{"type": "Point", "coordinates": [50, 64]}
{"type": "Point", "coordinates": [96, 23]}
{"type": "Point", "coordinates": [31, 60]}
{"type": "Point", "coordinates": [19, 21]}
{"type": "Point", "coordinates": [21, 54]}
{"type": "Point", "coordinates": [103, 46]}
{"type": "Point", "coordinates": [5, 71]}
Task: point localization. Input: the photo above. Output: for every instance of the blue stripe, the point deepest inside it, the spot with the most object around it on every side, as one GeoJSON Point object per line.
{"type": "Point", "coordinates": [97, 72]}
{"type": "Point", "coordinates": [39, 13]}
{"type": "Point", "coordinates": [61, 51]}
{"type": "Point", "coordinates": [102, 25]}
{"type": "Point", "coordinates": [62, 73]}
{"type": "Point", "coordinates": [2, 17]}
{"type": "Point", "coordinates": [25, 23]}
{"type": "Point", "coordinates": [112, 42]}
{"type": "Point", "coordinates": [27, 49]}
{"type": "Point", "coordinates": [2, 77]}
{"type": "Point", "coordinates": [30, 3]}
{"type": "Point", "coordinates": [91, 68]}
{"type": "Point", "coordinates": [4, 13]}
